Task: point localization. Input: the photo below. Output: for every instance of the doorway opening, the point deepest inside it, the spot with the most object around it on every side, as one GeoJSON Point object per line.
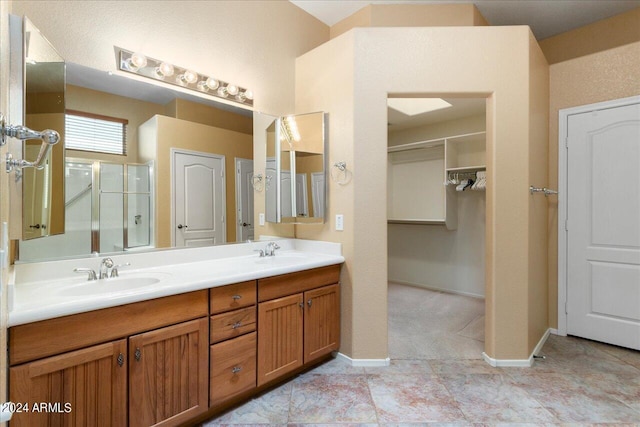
{"type": "Point", "coordinates": [436, 211]}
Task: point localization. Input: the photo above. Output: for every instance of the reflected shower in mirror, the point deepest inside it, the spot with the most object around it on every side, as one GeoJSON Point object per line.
{"type": "Point", "coordinates": [44, 106]}
{"type": "Point", "coordinates": [158, 119]}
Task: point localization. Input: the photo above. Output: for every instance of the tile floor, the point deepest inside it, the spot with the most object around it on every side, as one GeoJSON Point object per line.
{"type": "Point", "coordinates": [579, 383]}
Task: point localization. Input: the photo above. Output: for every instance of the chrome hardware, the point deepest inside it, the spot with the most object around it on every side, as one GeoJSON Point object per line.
{"type": "Point", "coordinates": [138, 354]}
{"type": "Point", "coordinates": [309, 303]}
{"type": "Point", "coordinates": [236, 369]}
{"type": "Point", "coordinates": [37, 226]}
{"type": "Point", "coordinates": [270, 250]}
{"type": "Point", "coordinates": [105, 266]}
{"type": "Point", "coordinates": [120, 359]}
{"type": "Point", "coordinates": [180, 226]}
{"type": "Point", "coordinates": [236, 325]}
{"type": "Point", "coordinates": [90, 272]}
{"type": "Point", "coordinates": [261, 252]}
{"type": "Point", "coordinates": [545, 190]}
{"type": "Point", "coordinates": [236, 297]}
{"type": "Point", "coordinates": [48, 137]}
{"type": "Point", "coordinates": [301, 305]}
{"type": "Point", "coordinates": [244, 224]}
{"type": "Point", "coordinates": [114, 269]}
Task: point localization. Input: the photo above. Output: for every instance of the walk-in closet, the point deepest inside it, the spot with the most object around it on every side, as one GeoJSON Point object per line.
{"type": "Point", "coordinates": [436, 178]}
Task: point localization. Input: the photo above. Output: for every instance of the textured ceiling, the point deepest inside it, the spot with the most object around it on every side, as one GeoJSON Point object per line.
{"type": "Point", "coordinates": [545, 17]}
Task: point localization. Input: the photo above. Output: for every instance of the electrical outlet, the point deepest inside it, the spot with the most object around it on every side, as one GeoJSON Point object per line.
{"type": "Point", "coordinates": [339, 222]}
{"type": "Point", "coordinates": [261, 218]}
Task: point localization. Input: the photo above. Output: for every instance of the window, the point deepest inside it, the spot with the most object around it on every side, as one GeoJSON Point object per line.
{"type": "Point", "coordinates": [91, 132]}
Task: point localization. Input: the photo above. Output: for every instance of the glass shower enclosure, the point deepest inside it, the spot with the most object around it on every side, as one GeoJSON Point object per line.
{"type": "Point", "coordinates": [108, 208]}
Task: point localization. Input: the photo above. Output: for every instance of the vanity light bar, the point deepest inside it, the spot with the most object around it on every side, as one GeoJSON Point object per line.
{"type": "Point", "coordinates": [141, 65]}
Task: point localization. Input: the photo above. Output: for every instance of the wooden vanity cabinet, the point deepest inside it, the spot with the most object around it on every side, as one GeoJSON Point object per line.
{"type": "Point", "coordinates": [232, 356]}
{"type": "Point", "coordinates": [168, 371]}
{"type": "Point", "coordinates": [82, 360]}
{"type": "Point", "coordinates": [298, 320]}
{"type": "Point", "coordinates": [84, 387]}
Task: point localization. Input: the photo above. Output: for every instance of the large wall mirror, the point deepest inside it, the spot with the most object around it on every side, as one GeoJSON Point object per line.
{"type": "Point", "coordinates": [40, 73]}
{"type": "Point", "coordinates": [126, 202]}
{"type": "Point", "coordinates": [296, 187]}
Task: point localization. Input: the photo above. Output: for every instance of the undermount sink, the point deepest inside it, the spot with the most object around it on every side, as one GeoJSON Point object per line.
{"type": "Point", "coordinates": [131, 282]}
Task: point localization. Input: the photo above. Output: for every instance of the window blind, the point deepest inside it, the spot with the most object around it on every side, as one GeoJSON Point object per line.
{"type": "Point", "coordinates": [95, 133]}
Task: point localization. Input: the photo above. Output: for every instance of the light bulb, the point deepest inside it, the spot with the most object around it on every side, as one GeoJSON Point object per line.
{"type": "Point", "coordinates": [248, 94]}
{"type": "Point", "coordinates": [164, 70]}
{"type": "Point", "coordinates": [232, 89]}
{"type": "Point", "coordinates": [222, 91]}
{"type": "Point", "coordinates": [241, 97]}
{"type": "Point", "coordinates": [190, 77]}
{"type": "Point", "coordinates": [138, 60]}
{"type": "Point", "coordinates": [202, 86]}
{"type": "Point", "coordinates": [212, 83]}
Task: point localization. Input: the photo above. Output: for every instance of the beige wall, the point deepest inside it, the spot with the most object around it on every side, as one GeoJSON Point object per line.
{"type": "Point", "coordinates": [400, 61]}
{"type": "Point", "coordinates": [163, 134]}
{"type": "Point", "coordinates": [411, 15]}
{"type": "Point", "coordinates": [606, 34]}
{"type": "Point", "coordinates": [210, 116]}
{"type": "Point", "coordinates": [470, 124]}
{"type": "Point", "coordinates": [598, 77]}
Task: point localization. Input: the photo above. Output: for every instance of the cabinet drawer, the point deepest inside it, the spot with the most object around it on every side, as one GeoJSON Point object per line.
{"type": "Point", "coordinates": [232, 324]}
{"type": "Point", "coordinates": [293, 283]}
{"type": "Point", "coordinates": [232, 368]}
{"type": "Point", "coordinates": [231, 297]}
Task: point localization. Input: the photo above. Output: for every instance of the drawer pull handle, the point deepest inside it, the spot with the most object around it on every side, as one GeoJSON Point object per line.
{"type": "Point", "coordinates": [120, 359]}
{"type": "Point", "coordinates": [138, 354]}
{"type": "Point", "coordinates": [236, 325]}
{"type": "Point", "coordinates": [236, 297]}
{"type": "Point", "coordinates": [236, 369]}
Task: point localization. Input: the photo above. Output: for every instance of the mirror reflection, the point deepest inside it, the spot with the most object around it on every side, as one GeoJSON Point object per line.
{"type": "Point", "coordinates": [132, 200]}
{"type": "Point", "coordinates": [44, 104]}
{"type": "Point", "coordinates": [295, 164]}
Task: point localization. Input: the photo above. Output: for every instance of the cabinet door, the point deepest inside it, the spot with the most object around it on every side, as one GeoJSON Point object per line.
{"type": "Point", "coordinates": [321, 322]}
{"type": "Point", "coordinates": [168, 374]}
{"type": "Point", "coordinates": [86, 387]}
{"type": "Point", "coordinates": [279, 337]}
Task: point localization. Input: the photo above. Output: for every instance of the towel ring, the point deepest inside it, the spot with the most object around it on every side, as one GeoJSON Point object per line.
{"type": "Point", "coordinates": [337, 169]}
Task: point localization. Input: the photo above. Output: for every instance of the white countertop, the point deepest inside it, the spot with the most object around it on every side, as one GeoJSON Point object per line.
{"type": "Point", "coordinates": [158, 274]}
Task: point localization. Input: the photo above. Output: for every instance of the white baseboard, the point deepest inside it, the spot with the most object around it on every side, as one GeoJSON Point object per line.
{"type": "Point", "coordinates": [554, 331]}
{"type": "Point", "coordinates": [517, 363]}
{"type": "Point", "coordinates": [364, 362]}
{"type": "Point", "coordinates": [435, 288]}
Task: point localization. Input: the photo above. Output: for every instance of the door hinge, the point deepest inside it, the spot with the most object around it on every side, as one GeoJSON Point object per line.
{"type": "Point", "coordinates": [566, 225]}
{"type": "Point", "coordinates": [566, 142]}
{"type": "Point", "coordinates": [566, 310]}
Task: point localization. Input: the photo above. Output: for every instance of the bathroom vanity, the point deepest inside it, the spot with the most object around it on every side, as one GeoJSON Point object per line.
{"type": "Point", "coordinates": [180, 358]}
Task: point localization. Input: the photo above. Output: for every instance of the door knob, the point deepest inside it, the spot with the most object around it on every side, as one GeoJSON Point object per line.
{"type": "Point", "coordinates": [244, 224]}
{"type": "Point", "coordinates": [180, 226]}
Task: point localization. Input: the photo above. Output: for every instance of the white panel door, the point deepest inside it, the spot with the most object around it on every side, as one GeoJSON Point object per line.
{"type": "Point", "coordinates": [317, 194]}
{"type": "Point", "coordinates": [603, 241]}
{"type": "Point", "coordinates": [244, 199]}
{"type": "Point", "coordinates": [199, 199]}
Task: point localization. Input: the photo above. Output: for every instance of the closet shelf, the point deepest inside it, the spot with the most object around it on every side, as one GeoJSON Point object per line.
{"type": "Point", "coordinates": [437, 142]}
{"type": "Point", "coordinates": [467, 168]}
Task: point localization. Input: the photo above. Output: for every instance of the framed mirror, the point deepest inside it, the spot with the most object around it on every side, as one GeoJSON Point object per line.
{"type": "Point", "coordinates": [38, 84]}
{"type": "Point", "coordinates": [141, 218]}
{"type": "Point", "coordinates": [295, 171]}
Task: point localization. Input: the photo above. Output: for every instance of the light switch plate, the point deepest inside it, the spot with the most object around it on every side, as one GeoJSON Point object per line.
{"type": "Point", "coordinates": [339, 222]}
{"type": "Point", "coordinates": [261, 218]}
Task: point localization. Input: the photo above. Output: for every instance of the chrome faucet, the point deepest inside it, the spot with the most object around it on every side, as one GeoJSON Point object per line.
{"type": "Point", "coordinates": [92, 274]}
{"type": "Point", "coordinates": [105, 268]}
{"type": "Point", "coordinates": [270, 250]}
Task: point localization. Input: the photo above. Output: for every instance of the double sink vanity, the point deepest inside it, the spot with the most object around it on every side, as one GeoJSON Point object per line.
{"type": "Point", "coordinates": [177, 337]}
